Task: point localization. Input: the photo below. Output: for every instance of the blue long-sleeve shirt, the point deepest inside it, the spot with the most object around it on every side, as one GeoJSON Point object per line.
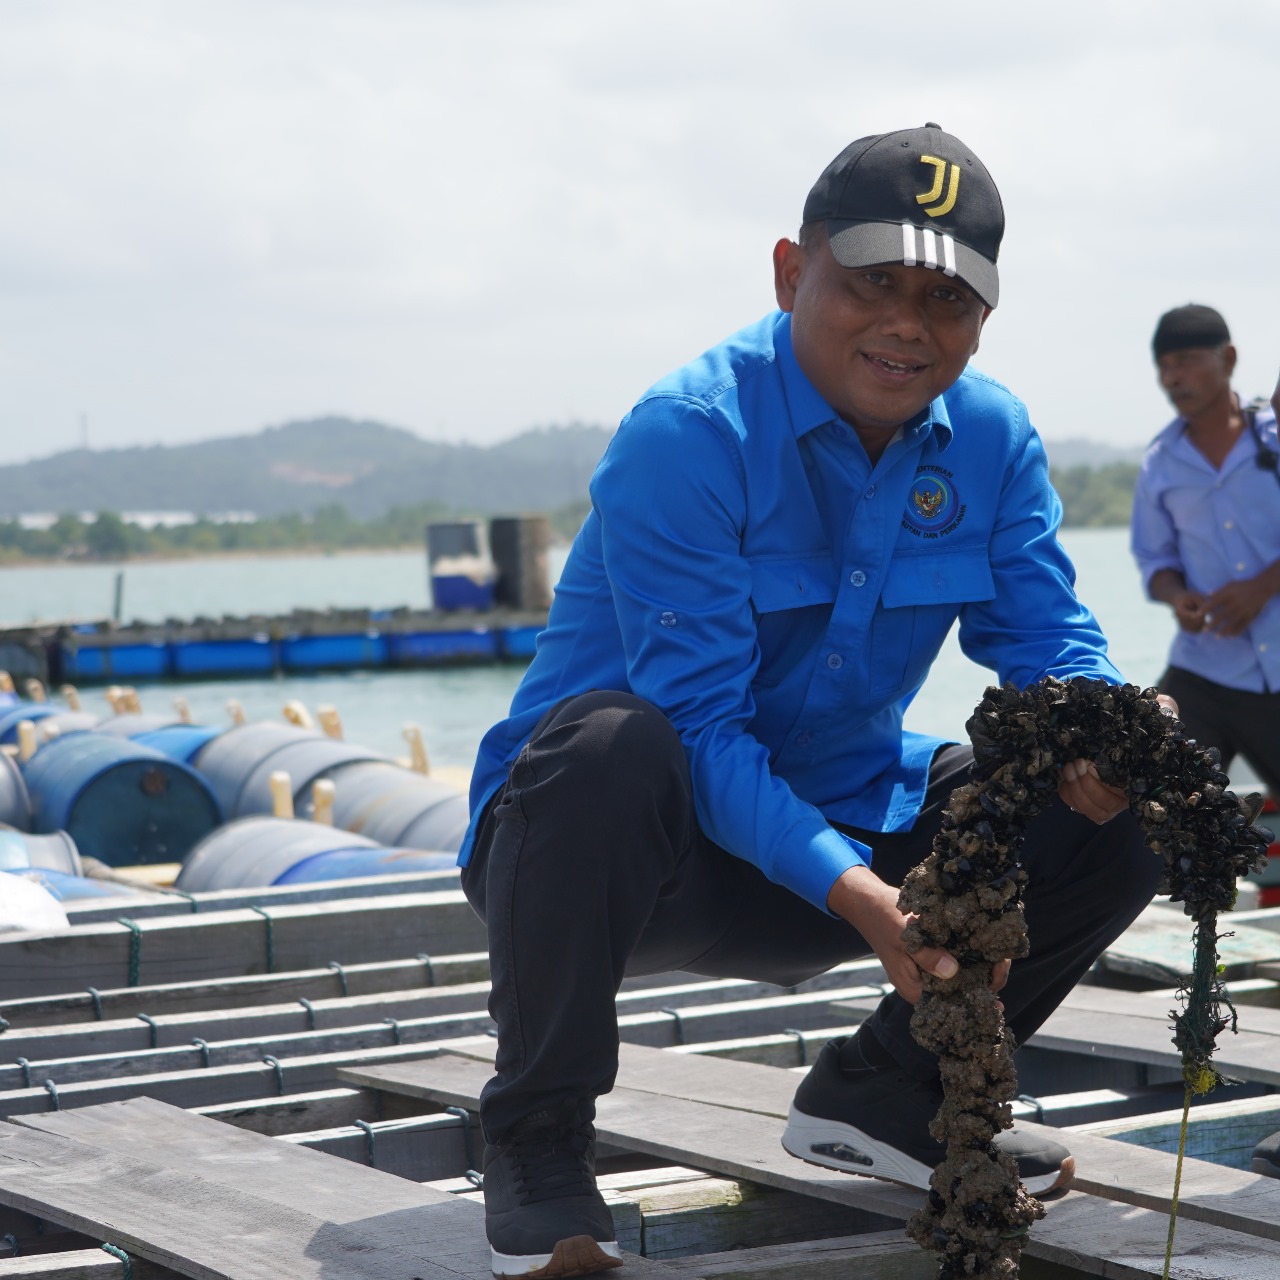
{"type": "Point", "coordinates": [747, 569]}
{"type": "Point", "coordinates": [1214, 525]}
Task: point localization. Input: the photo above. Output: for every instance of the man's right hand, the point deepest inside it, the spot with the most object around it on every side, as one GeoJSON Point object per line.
{"type": "Point", "coordinates": [871, 906]}
{"type": "Point", "coordinates": [1189, 608]}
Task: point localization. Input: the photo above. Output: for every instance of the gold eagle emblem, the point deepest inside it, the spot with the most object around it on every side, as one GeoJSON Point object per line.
{"type": "Point", "coordinates": [928, 501]}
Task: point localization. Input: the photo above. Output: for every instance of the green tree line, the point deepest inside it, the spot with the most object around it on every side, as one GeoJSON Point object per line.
{"type": "Point", "coordinates": [1092, 497]}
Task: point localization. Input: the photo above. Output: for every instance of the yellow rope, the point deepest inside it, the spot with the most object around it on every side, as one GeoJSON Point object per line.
{"type": "Point", "coordinates": [1177, 1182]}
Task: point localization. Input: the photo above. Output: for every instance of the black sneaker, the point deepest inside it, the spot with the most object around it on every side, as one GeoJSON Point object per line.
{"type": "Point", "coordinates": [1266, 1157]}
{"type": "Point", "coordinates": [875, 1121]}
{"type": "Point", "coordinates": [544, 1215]}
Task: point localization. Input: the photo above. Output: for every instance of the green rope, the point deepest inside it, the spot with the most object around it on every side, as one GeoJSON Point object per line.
{"type": "Point", "coordinates": [1177, 1183]}
{"type": "Point", "coordinates": [465, 1117]}
{"type": "Point", "coordinates": [279, 1070]}
{"type": "Point", "coordinates": [124, 1257]}
{"type": "Point", "coordinates": [96, 996]}
{"type": "Point", "coordinates": [271, 941]}
{"type": "Point", "coordinates": [342, 975]}
{"type": "Point", "coordinates": [135, 948]}
{"type": "Point", "coordinates": [155, 1030]}
{"type": "Point", "coordinates": [26, 1072]}
{"type": "Point", "coordinates": [311, 1012]}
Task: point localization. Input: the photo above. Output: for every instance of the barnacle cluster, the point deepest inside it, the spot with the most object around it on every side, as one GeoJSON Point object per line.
{"type": "Point", "coordinates": [967, 897]}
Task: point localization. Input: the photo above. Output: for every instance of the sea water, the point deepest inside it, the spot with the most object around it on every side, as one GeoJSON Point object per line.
{"type": "Point", "coordinates": [454, 707]}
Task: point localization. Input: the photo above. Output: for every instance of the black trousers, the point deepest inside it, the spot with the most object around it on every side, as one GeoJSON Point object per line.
{"type": "Point", "coordinates": [589, 865]}
{"type": "Point", "coordinates": [1235, 721]}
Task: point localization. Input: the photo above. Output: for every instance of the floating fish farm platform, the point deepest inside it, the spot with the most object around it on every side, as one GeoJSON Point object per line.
{"type": "Point", "coordinates": [301, 642]}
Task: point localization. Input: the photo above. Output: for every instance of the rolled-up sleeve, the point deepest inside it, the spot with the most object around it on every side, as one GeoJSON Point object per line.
{"type": "Point", "coordinates": [671, 497]}
{"type": "Point", "coordinates": [1034, 625]}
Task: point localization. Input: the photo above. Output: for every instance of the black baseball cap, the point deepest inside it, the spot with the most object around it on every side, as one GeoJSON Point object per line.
{"type": "Point", "coordinates": [919, 197]}
{"type": "Point", "coordinates": [1183, 328]}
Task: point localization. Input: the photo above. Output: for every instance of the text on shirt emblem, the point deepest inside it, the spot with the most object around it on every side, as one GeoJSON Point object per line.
{"type": "Point", "coordinates": [934, 508]}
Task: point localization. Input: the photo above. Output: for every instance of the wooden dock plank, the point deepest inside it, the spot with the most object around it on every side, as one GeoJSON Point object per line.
{"type": "Point", "coordinates": [265, 1208]}
{"type": "Point", "coordinates": [742, 1140]}
{"type": "Point", "coordinates": [230, 943]}
{"type": "Point", "coordinates": [1157, 946]}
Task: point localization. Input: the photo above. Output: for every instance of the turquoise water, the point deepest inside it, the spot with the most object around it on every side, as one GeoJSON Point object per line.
{"type": "Point", "coordinates": [455, 707]}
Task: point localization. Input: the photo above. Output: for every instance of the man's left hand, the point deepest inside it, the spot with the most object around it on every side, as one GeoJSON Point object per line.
{"type": "Point", "coordinates": [1082, 791]}
{"type": "Point", "coordinates": [1232, 608]}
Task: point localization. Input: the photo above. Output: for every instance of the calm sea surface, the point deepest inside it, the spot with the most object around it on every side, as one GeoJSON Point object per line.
{"type": "Point", "coordinates": [454, 708]}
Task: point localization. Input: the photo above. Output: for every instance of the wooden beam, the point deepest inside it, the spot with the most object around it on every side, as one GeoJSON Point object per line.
{"type": "Point", "coordinates": [230, 943]}
{"type": "Point", "coordinates": [733, 1125]}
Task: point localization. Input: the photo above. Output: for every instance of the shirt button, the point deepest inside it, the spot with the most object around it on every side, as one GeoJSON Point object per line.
{"type": "Point", "coordinates": [871, 491]}
{"type": "Point", "coordinates": [858, 578]}
{"type": "Point", "coordinates": [1240, 567]}
{"type": "Point", "coordinates": [835, 661]}
{"type": "Point", "coordinates": [668, 619]}
{"type": "Point", "coordinates": [1229, 524]}
{"type": "Point", "coordinates": [803, 739]}
{"type": "Point", "coordinates": [1262, 648]}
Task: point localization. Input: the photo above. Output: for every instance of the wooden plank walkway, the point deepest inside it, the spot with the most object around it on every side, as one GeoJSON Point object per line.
{"type": "Point", "coordinates": [732, 1126]}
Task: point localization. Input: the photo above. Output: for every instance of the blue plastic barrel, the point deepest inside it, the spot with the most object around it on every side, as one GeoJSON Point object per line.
{"type": "Point", "coordinates": [229, 760]}
{"type": "Point", "coordinates": [253, 655]}
{"type": "Point", "coordinates": [14, 716]}
{"type": "Point", "coordinates": [255, 852]}
{"type": "Point", "coordinates": [54, 852]}
{"type": "Point", "coordinates": [351, 864]}
{"type": "Point", "coordinates": [146, 661]}
{"type": "Point", "coordinates": [121, 802]}
{"type": "Point", "coordinates": [179, 741]}
{"type": "Point", "coordinates": [8, 699]}
{"type": "Point", "coordinates": [15, 804]}
{"type": "Point", "coordinates": [439, 648]}
{"type": "Point", "coordinates": [68, 888]}
{"type": "Point", "coordinates": [304, 761]}
{"type": "Point", "coordinates": [352, 651]}
{"type": "Point", "coordinates": [396, 806]}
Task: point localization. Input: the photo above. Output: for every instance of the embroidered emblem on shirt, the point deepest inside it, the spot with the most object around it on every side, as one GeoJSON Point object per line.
{"type": "Point", "coordinates": [934, 508]}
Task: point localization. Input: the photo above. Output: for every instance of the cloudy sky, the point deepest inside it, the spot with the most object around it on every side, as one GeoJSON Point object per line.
{"type": "Point", "coordinates": [467, 217]}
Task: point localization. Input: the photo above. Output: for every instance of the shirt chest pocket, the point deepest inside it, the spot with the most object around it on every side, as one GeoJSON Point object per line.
{"type": "Point", "coordinates": [791, 598]}
{"type": "Point", "coordinates": [922, 597]}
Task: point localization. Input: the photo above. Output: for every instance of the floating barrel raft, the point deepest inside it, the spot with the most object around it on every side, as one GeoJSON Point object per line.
{"type": "Point", "coordinates": [122, 803]}
{"type": "Point", "coordinates": [257, 852]}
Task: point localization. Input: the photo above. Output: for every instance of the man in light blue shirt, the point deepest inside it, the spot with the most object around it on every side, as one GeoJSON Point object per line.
{"type": "Point", "coordinates": [705, 767]}
{"type": "Point", "coordinates": [1206, 536]}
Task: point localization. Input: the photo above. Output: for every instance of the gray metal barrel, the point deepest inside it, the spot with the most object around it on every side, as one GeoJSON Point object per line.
{"type": "Point", "coordinates": [129, 724]}
{"type": "Point", "coordinates": [230, 759]}
{"type": "Point", "coordinates": [305, 762]}
{"type": "Point", "coordinates": [255, 852]}
{"type": "Point", "coordinates": [15, 804]}
{"type": "Point", "coordinates": [397, 807]}
{"type": "Point", "coordinates": [64, 722]}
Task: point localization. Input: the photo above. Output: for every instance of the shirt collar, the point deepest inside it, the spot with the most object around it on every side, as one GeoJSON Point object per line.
{"type": "Point", "coordinates": [809, 410]}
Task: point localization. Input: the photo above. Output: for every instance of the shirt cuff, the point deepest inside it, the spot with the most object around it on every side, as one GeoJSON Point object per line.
{"type": "Point", "coordinates": [828, 856]}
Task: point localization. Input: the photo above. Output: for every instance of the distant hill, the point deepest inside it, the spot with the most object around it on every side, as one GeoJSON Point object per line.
{"type": "Point", "coordinates": [368, 467]}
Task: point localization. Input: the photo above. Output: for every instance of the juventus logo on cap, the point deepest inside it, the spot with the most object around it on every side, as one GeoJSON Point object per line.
{"type": "Point", "coordinates": [927, 198]}
{"type": "Point", "coordinates": [927, 255]}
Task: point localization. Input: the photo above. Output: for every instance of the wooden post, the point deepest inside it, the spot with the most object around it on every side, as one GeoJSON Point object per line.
{"type": "Point", "coordinates": [282, 794]}
{"type": "Point", "coordinates": [114, 695]}
{"type": "Point", "coordinates": [330, 720]}
{"type": "Point", "coordinates": [6, 682]}
{"type": "Point", "coordinates": [26, 741]}
{"type": "Point", "coordinates": [35, 690]}
{"type": "Point", "coordinates": [295, 712]}
{"type": "Point", "coordinates": [71, 696]}
{"type": "Point", "coordinates": [322, 801]}
{"type": "Point", "coordinates": [418, 761]}
{"type": "Point", "coordinates": [235, 711]}
{"type": "Point", "coordinates": [183, 709]}
{"type": "Point", "coordinates": [132, 703]}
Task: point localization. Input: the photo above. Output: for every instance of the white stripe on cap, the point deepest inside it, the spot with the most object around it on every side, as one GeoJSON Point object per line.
{"type": "Point", "coordinates": [908, 245]}
{"type": "Point", "coordinates": [930, 248]}
{"type": "Point", "coordinates": [948, 255]}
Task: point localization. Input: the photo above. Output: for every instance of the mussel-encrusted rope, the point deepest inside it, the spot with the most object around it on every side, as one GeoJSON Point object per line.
{"type": "Point", "coordinates": [967, 897]}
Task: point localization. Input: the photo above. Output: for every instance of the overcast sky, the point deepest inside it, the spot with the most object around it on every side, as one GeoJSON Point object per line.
{"type": "Point", "coordinates": [467, 218]}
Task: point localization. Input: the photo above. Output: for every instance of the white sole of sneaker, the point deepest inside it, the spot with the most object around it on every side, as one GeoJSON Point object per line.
{"type": "Point", "coordinates": [841, 1146]}
{"type": "Point", "coordinates": [576, 1256]}
{"type": "Point", "coordinates": [834, 1145]}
